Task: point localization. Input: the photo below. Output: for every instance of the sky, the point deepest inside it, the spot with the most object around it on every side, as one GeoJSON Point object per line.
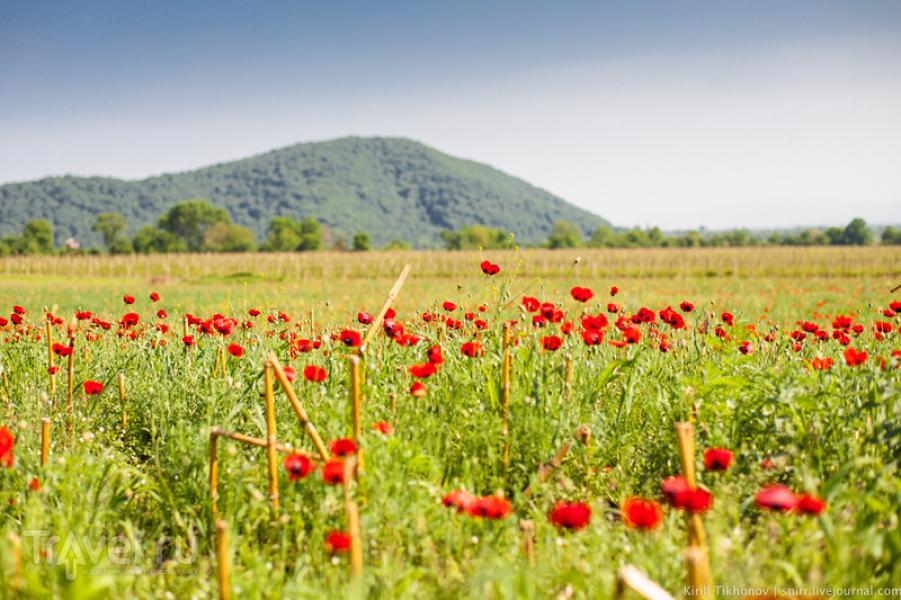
{"type": "Point", "coordinates": [680, 114]}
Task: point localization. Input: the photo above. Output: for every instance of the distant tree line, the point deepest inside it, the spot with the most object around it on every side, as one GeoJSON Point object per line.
{"type": "Point", "coordinates": [198, 226]}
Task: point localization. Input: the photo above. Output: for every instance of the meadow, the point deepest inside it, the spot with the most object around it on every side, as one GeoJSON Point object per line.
{"type": "Point", "coordinates": [467, 483]}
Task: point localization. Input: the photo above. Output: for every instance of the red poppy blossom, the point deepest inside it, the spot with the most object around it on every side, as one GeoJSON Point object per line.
{"type": "Point", "coordinates": [687, 306]}
{"type": "Point", "coordinates": [253, 312]}
{"type": "Point", "coordinates": [343, 447]}
{"type": "Point", "coordinates": [434, 355]}
{"type": "Point", "coordinates": [364, 317]}
{"type": "Point", "coordinates": [458, 499]}
{"type": "Point", "coordinates": [449, 306]}
{"type": "Point", "coordinates": [333, 472]}
{"type": "Point", "coordinates": [129, 320]}
{"type": "Point", "coordinates": [290, 374]}
{"type": "Point", "coordinates": [188, 340]}
{"type": "Point", "coordinates": [717, 459]}
{"type": "Point", "coordinates": [695, 501]}
{"type": "Point", "coordinates": [489, 507]}
{"type": "Point", "coordinates": [581, 294]}
{"type": "Point", "coordinates": [551, 342]}
{"type": "Point", "coordinates": [337, 542]}
{"type": "Point", "coordinates": [530, 304]}
{"type": "Point", "coordinates": [62, 349]}
{"type": "Point", "coordinates": [128, 299]}
{"type": "Point", "coordinates": [92, 388]}
{"type": "Point", "coordinates": [299, 466]}
{"type": "Point", "coordinates": [236, 350]}
{"type": "Point", "coordinates": [350, 338]}
{"type": "Point", "coordinates": [53, 370]}
{"type": "Point", "coordinates": [614, 291]}
{"type": "Point", "coordinates": [161, 314]}
{"type": "Point", "coordinates": [776, 497]}
{"type": "Point", "coordinates": [810, 505]}
{"type": "Point", "coordinates": [472, 349]}
{"type": "Point", "coordinates": [35, 484]}
{"type": "Point", "coordinates": [314, 373]}
{"type": "Point", "coordinates": [639, 513]}
{"type": "Point", "coordinates": [7, 442]}
{"type": "Point", "coordinates": [383, 427]}
{"type": "Point", "coordinates": [418, 390]}
{"type": "Point", "coordinates": [673, 488]}
{"type": "Point", "coordinates": [728, 318]}
{"type": "Point", "coordinates": [423, 370]}
{"type": "Point", "coordinates": [18, 310]}
{"type": "Point", "coordinates": [631, 335]}
{"type": "Point", "coordinates": [854, 357]}
{"type": "Point", "coordinates": [489, 268]}
{"type": "Point", "coordinates": [613, 308]}
{"type": "Point", "coordinates": [592, 337]}
{"type": "Point", "coordinates": [746, 348]}
{"type": "Point", "coordinates": [154, 297]}
{"type": "Point", "coordinates": [570, 515]}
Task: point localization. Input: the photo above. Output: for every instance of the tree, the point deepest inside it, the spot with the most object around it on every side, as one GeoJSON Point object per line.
{"type": "Point", "coordinates": [37, 237]}
{"type": "Point", "coordinates": [857, 233]}
{"type": "Point", "coordinates": [112, 226]}
{"type": "Point", "coordinates": [397, 245]}
{"type": "Point", "coordinates": [360, 242]}
{"type": "Point", "coordinates": [153, 240]}
{"type": "Point", "coordinates": [835, 236]}
{"type": "Point", "coordinates": [283, 235]}
{"type": "Point", "coordinates": [310, 235]}
{"type": "Point", "coordinates": [190, 219]}
{"type": "Point", "coordinates": [565, 235]}
{"type": "Point", "coordinates": [891, 236]}
{"type": "Point", "coordinates": [228, 238]}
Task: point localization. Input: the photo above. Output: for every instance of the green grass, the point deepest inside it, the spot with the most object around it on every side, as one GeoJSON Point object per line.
{"type": "Point", "coordinates": [834, 434]}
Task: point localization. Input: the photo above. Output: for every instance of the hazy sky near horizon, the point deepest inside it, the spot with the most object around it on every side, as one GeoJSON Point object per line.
{"type": "Point", "coordinates": [677, 114]}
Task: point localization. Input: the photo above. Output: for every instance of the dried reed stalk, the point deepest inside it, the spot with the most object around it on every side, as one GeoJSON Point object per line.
{"type": "Point", "coordinates": [45, 440]}
{"type": "Point", "coordinates": [120, 377]}
{"type": "Point", "coordinates": [271, 437]}
{"type": "Point", "coordinates": [298, 408]}
{"type": "Point", "coordinates": [631, 578]}
{"type": "Point", "coordinates": [222, 566]}
{"type": "Point", "coordinates": [377, 321]}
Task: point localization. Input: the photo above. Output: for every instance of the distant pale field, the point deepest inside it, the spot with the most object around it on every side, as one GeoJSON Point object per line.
{"type": "Point", "coordinates": [334, 286]}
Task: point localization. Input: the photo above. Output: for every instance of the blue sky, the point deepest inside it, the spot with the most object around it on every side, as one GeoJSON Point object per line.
{"type": "Point", "coordinates": [679, 114]}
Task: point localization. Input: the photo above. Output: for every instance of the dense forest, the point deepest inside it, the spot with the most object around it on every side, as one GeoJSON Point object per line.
{"type": "Point", "coordinates": [394, 189]}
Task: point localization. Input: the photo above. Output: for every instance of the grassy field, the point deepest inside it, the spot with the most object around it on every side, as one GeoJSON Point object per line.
{"type": "Point", "coordinates": [126, 511]}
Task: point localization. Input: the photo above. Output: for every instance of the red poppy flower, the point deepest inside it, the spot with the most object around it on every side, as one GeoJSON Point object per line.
{"type": "Point", "coordinates": [314, 373]}
{"type": "Point", "coordinates": [62, 350]}
{"type": "Point", "coordinates": [236, 350]}
{"type": "Point", "coordinates": [343, 447]}
{"type": "Point", "coordinates": [161, 314]}
{"type": "Point", "coordinates": [613, 308]}
{"type": "Point", "coordinates": [728, 318]}
{"type": "Point", "coordinates": [854, 357]}
{"type": "Point", "coordinates": [489, 507]}
{"type": "Point", "coordinates": [673, 488]}
{"type": "Point", "coordinates": [16, 319]}
{"type": "Point", "coordinates": [333, 472]}
{"type": "Point", "coordinates": [530, 304]}
{"type": "Point", "coordinates": [83, 315]}
{"type": "Point", "coordinates": [717, 459]}
{"type": "Point", "coordinates": [128, 299]}
{"type": "Point", "coordinates": [35, 484]}
{"type": "Point", "coordinates": [895, 306]}
{"type": "Point", "coordinates": [92, 388]}
{"type": "Point", "coordinates": [418, 390]}
{"type": "Point", "coordinates": [154, 297]}
{"type": "Point", "coordinates": [458, 499]}
{"type": "Point", "coordinates": [18, 310]}
{"type": "Point", "coordinates": [53, 370]}
{"type": "Point", "coordinates": [581, 294]}
{"type": "Point", "coordinates": [290, 374]}
{"type": "Point", "coordinates": [364, 317]}
{"type": "Point", "coordinates": [489, 268]}
{"type": "Point", "coordinates": [383, 427]}
{"type": "Point", "coordinates": [7, 442]}
{"type": "Point", "coordinates": [592, 337]}
{"type": "Point", "coordinates": [435, 355]}
{"type": "Point", "coordinates": [776, 497]}
{"type": "Point", "coordinates": [538, 321]}
{"type": "Point", "coordinates": [129, 320]}
{"type": "Point", "coordinates": [472, 349]}
{"type": "Point", "coordinates": [570, 515]}
{"type": "Point", "coordinates": [631, 335]}
{"type": "Point", "coordinates": [350, 338]}
{"type": "Point", "coordinates": [696, 500]}
{"type": "Point", "coordinates": [188, 340]}
{"type": "Point", "coordinates": [392, 329]}
{"type": "Point", "coordinates": [810, 505]}
{"type": "Point", "coordinates": [299, 466]}
{"type": "Point", "coordinates": [423, 370]}
{"type": "Point", "coordinates": [639, 513]}
{"type": "Point", "coordinates": [614, 291]}
{"type": "Point", "coordinates": [449, 306]}
{"type": "Point", "coordinates": [551, 342]}
{"type": "Point", "coordinates": [390, 314]}
{"type": "Point", "coordinates": [337, 542]}
{"type": "Point", "coordinates": [687, 306]}
{"type": "Point", "coordinates": [746, 348]}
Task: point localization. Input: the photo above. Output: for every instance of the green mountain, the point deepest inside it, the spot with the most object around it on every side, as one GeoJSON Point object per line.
{"type": "Point", "coordinates": [390, 187]}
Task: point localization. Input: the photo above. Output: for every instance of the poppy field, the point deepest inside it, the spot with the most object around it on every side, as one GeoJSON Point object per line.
{"type": "Point", "coordinates": [512, 424]}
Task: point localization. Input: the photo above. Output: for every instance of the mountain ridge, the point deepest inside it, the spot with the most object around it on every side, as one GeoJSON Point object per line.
{"type": "Point", "coordinates": [392, 188]}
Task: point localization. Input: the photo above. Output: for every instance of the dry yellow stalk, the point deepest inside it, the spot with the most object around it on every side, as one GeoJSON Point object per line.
{"type": "Point", "coordinates": [222, 566]}
{"type": "Point", "coordinates": [45, 440]}
{"type": "Point", "coordinates": [270, 437]}
{"type": "Point", "coordinates": [631, 578]}
{"type": "Point", "coordinates": [377, 321]}
{"type": "Point", "coordinates": [298, 408]}
{"type": "Point", "coordinates": [120, 377]}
